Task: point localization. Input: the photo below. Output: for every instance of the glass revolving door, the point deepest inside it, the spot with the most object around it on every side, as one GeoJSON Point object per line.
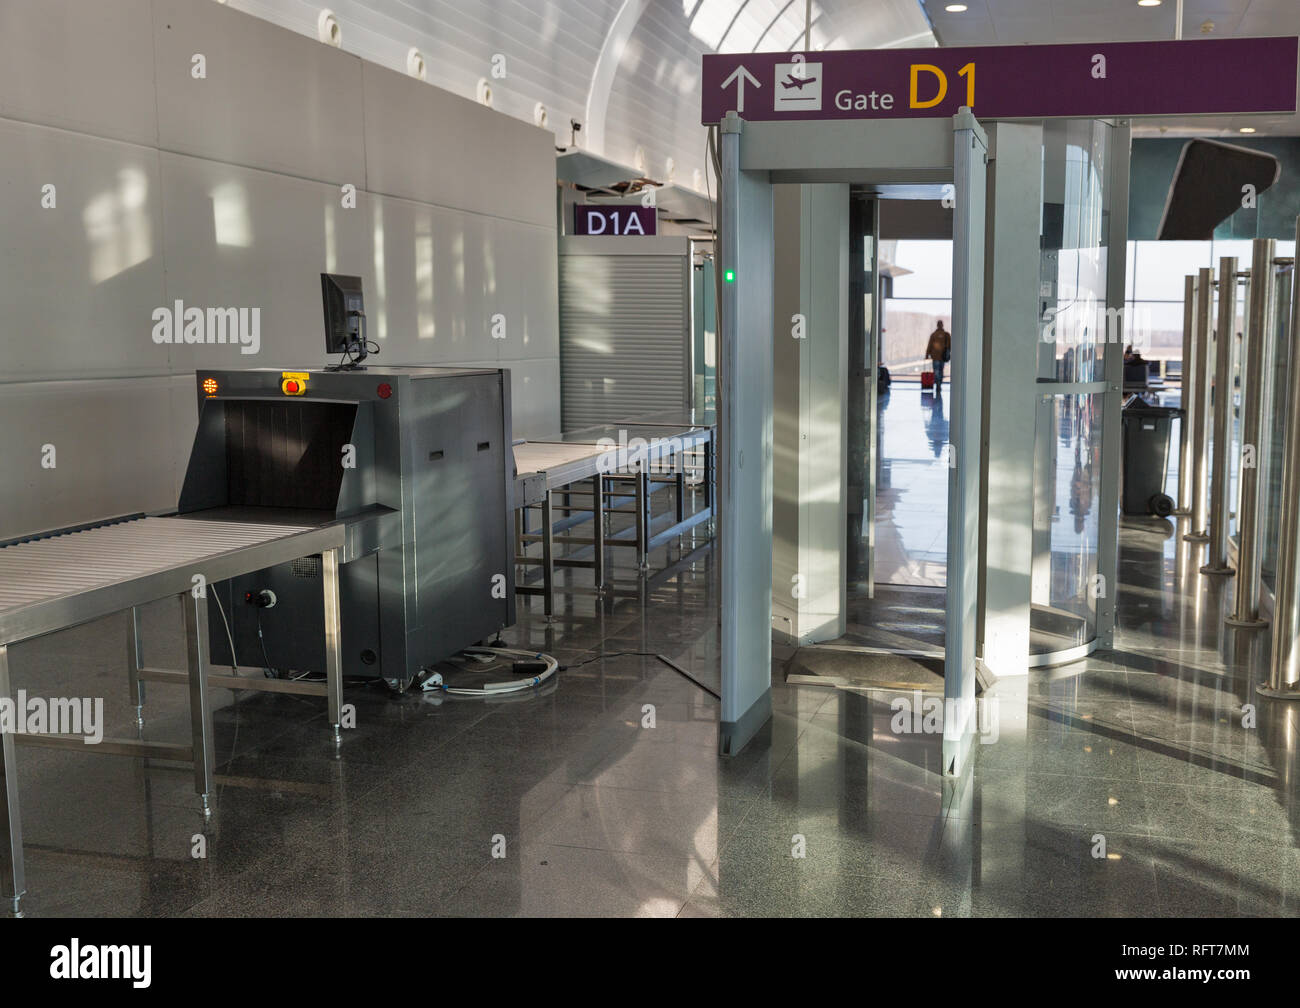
{"type": "Point", "coordinates": [1076, 332]}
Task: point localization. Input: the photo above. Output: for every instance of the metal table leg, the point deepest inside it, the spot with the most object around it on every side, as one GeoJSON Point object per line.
{"type": "Point", "coordinates": [679, 487]}
{"type": "Point", "coordinates": [642, 518]}
{"type": "Point", "coordinates": [196, 649]}
{"type": "Point", "coordinates": [134, 661]}
{"type": "Point", "coordinates": [333, 640]}
{"type": "Point", "coordinates": [13, 877]}
{"type": "Point", "coordinates": [548, 557]}
{"type": "Point", "coordinates": [598, 534]}
{"type": "Point", "coordinates": [710, 486]}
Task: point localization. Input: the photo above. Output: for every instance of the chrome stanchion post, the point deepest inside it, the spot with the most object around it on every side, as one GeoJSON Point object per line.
{"type": "Point", "coordinates": [1187, 395]}
{"type": "Point", "coordinates": [1254, 435]}
{"type": "Point", "coordinates": [1284, 664]}
{"type": "Point", "coordinates": [1220, 497]}
{"type": "Point", "coordinates": [1199, 408]}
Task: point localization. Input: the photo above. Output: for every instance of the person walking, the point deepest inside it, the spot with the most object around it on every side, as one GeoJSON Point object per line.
{"type": "Point", "coordinates": [939, 350]}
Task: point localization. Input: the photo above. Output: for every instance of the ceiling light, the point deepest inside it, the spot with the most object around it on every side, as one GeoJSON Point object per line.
{"type": "Point", "coordinates": [955, 8]}
{"type": "Point", "coordinates": [1148, 3]}
{"type": "Point", "coordinates": [1246, 129]}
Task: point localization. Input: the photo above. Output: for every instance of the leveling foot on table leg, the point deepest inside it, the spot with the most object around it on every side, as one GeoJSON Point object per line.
{"type": "Point", "coordinates": [338, 735]}
{"type": "Point", "coordinates": [207, 809]}
{"type": "Point", "coordinates": [139, 717]}
{"type": "Point", "coordinates": [16, 905]}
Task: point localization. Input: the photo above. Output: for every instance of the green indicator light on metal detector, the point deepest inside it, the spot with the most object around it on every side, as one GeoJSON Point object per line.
{"type": "Point", "coordinates": [731, 276]}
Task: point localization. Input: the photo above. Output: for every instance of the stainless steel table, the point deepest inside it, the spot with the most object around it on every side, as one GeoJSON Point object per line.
{"type": "Point", "coordinates": [646, 454]}
{"type": "Point", "coordinates": [65, 579]}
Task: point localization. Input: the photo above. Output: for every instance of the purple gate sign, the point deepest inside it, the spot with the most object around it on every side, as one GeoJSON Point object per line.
{"type": "Point", "coordinates": [1087, 81]}
{"type": "Point", "coordinates": [613, 219]}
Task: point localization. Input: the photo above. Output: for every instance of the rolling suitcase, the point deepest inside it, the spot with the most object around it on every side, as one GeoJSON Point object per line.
{"type": "Point", "coordinates": [927, 376]}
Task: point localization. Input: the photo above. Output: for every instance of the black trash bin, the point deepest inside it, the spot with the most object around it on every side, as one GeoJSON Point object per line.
{"type": "Point", "coordinates": [1147, 430]}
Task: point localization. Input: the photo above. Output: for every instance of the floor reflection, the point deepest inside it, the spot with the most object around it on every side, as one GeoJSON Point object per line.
{"type": "Point", "coordinates": [1145, 780]}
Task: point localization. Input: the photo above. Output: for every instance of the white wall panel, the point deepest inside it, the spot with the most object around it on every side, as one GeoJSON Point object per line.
{"type": "Point", "coordinates": [522, 283]}
{"type": "Point", "coordinates": [533, 387]}
{"type": "Point", "coordinates": [550, 46]}
{"type": "Point", "coordinates": [78, 281]}
{"type": "Point", "coordinates": [271, 99]}
{"type": "Point", "coordinates": [79, 65]}
{"type": "Point", "coordinates": [413, 151]}
{"type": "Point", "coordinates": [236, 237]}
{"type": "Point", "coordinates": [430, 308]}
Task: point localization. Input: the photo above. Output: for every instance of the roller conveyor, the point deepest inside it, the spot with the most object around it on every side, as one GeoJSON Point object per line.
{"type": "Point", "coordinates": [63, 580]}
{"type": "Point", "coordinates": [66, 579]}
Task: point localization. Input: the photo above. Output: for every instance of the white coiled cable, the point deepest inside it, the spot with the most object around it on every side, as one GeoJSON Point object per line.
{"type": "Point", "coordinates": [435, 683]}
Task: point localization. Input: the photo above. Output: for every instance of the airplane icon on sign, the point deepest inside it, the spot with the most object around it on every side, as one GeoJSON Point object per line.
{"type": "Point", "coordinates": [792, 81]}
{"type": "Point", "coordinates": [797, 86]}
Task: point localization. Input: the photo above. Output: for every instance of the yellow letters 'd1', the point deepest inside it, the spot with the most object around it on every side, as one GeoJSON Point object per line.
{"type": "Point", "coordinates": [968, 71]}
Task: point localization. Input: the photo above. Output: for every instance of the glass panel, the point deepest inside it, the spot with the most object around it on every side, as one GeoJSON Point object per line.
{"type": "Point", "coordinates": [1073, 321]}
{"type": "Point", "coordinates": [705, 323]}
{"type": "Point", "coordinates": [1075, 329]}
{"type": "Point", "coordinates": [1067, 486]}
{"type": "Point", "coordinates": [1162, 265]}
{"type": "Point", "coordinates": [922, 269]}
{"type": "Point", "coordinates": [906, 325]}
{"type": "Point", "coordinates": [864, 345]}
{"type": "Point", "coordinates": [1155, 329]}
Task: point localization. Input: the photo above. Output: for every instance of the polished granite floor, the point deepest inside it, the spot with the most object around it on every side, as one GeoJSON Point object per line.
{"type": "Point", "coordinates": [596, 813]}
{"type": "Point", "coordinates": [912, 486]}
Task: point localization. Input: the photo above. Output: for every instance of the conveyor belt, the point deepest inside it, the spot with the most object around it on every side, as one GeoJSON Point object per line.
{"type": "Point", "coordinates": [66, 579]}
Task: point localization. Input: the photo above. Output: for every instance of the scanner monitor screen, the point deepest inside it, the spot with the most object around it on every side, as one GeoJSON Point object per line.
{"type": "Point", "coordinates": [341, 296]}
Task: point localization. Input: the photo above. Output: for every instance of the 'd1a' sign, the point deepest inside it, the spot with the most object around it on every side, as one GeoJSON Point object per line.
{"type": "Point", "coordinates": [620, 220]}
{"type": "Point", "coordinates": [1093, 80]}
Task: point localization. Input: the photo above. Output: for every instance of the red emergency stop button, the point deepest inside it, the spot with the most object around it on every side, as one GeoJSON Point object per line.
{"type": "Point", "coordinates": [293, 382]}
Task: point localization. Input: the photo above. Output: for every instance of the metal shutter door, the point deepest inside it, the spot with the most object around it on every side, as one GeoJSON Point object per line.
{"type": "Point", "coordinates": [623, 337]}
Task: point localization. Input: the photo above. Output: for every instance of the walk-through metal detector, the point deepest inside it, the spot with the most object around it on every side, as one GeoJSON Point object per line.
{"type": "Point", "coordinates": [754, 157]}
{"type": "Point", "coordinates": [808, 124]}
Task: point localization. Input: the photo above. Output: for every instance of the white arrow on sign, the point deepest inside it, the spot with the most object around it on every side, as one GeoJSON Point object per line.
{"type": "Point", "coordinates": [740, 75]}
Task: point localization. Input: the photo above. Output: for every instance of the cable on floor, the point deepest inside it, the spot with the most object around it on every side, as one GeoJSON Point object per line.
{"type": "Point", "coordinates": [647, 654]}
{"type": "Point", "coordinates": [538, 668]}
